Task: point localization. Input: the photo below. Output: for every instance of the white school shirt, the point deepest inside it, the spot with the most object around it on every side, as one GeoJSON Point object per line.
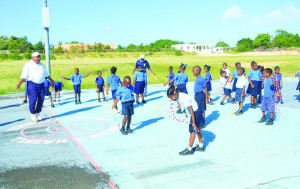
{"type": "Point", "coordinates": [34, 72]}
{"type": "Point", "coordinates": [227, 71]}
{"type": "Point", "coordinates": [223, 82]}
{"type": "Point", "coordinates": [241, 82]}
{"type": "Point", "coordinates": [186, 101]}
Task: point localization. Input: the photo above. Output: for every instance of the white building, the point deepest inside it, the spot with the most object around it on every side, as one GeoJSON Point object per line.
{"type": "Point", "coordinates": [201, 48]}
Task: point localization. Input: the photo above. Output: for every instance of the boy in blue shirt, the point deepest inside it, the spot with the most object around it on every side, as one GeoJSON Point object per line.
{"type": "Point", "coordinates": [171, 76]}
{"type": "Point", "coordinates": [100, 86]}
{"type": "Point", "coordinates": [114, 81]}
{"type": "Point", "coordinates": [278, 80]}
{"type": "Point", "coordinates": [268, 101]}
{"type": "Point", "coordinates": [47, 85]}
{"type": "Point", "coordinates": [139, 84]}
{"type": "Point", "coordinates": [76, 80]}
{"type": "Point", "coordinates": [57, 87]}
{"type": "Point", "coordinates": [125, 94]}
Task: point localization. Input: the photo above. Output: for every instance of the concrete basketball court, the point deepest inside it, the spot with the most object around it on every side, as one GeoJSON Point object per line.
{"type": "Point", "coordinates": [80, 146]}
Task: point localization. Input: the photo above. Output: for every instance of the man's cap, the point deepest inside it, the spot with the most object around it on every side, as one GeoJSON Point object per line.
{"type": "Point", "coordinates": [142, 57]}
{"type": "Point", "coordinates": [36, 54]}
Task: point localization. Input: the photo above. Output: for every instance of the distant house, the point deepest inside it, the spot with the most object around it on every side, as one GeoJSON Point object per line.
{"type": "Point", "coordinates": [79, 46]}
{"type": "Point", "coordinates": [201, 48]}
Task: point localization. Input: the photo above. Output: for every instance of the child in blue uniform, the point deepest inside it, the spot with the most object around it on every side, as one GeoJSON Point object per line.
{"type": "Point", "coordinates": [114, 81]}
{"type": "Point", "coordinates": [298, 86]}
{"type": "Point", "coordinates": [57, 87]}
{"type": "Point", "coordinates": [200, 91]}
{"type": "Point", "coordinates": [171, 76]}
{"type": "Point", "coordinates": [240, 90]}
{"type": "Point", "coordinates": [180, 81]}
{"type": "Point", "coordinates": [260, 84]}
{"type": "Point", "coordinates": [139, 84]}
{"type": "Point", "coordinates": [226, 69]}
{"type": "Point", "coordinates": [100, 86]}
{"type": "Point", "coordinates": [268, 101]}
{"type": "Point", "coordinates": [125, 94]}
{"type": "Point", "coordinates": [190, 104]}
{"type": "Point", "coordinates": [227, 87]}
{"type": "Point", "coordinates": [278, 80]}
{"type": "Point", "coordinates": [253, 87]}
{"type": "Point", "coordinates": [47, 85]}
{"type": "Point", "coordinates": [208, 79]}
{"type": "Point", "coordinates": [235, 76]}
{"type": "Point", "coordinates": [76, 80]}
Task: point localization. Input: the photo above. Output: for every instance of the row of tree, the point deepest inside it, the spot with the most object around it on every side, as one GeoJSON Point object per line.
{"type": "Point", "coordinates": [18, 43]}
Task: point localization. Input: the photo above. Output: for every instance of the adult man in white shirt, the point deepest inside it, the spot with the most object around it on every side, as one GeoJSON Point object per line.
{"type": "Point", "coordinates": [35, 73]}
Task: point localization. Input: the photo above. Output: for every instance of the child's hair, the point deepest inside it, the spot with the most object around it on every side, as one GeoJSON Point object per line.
{"type": "Point", "coordinates": [99, 72]}
{"type": "Point", "coordinates": [127, 78]}
{"type": "Point", "coordinates": [77, 69]}
{"type": "Point", "coordinates": [260, 68]}
{"type": "Point", "coordinates": [276, 68]}
{"type": "Point", "coordinates": [198, 68]}
{"type": "Point", "coordinates": [237, 63]}
{"type": "Point", "coordinates": [253, 63]}
{"type": "Point", "coordinates": [171, 67]}
{"type": "Point", "coordinates": [222, 72]}
{"type": "Point", "coordinates": [269, 70]}
{"type": "Point", "coordinates": [242, 70]}
{"type": "Point", "coordinates": [171, 90]}
{"type": "Point", "coordinates": [184, 66]}
{"type": "Point", "coordinates": [113, 70]}
{"type": "Point", "coordinates": [207, 67]}
{"type": "Point", "coordinates": [179, 71]}
{"type": "Point", "coordinates": [224, 63]}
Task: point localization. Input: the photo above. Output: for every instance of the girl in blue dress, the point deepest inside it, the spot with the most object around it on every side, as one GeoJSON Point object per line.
{"type": "Point", "coordinates": [278, 81]}
{"type": "Point", "coordinates": [253, 87]}
{"type": "Point", "coordinates": [208, 79]}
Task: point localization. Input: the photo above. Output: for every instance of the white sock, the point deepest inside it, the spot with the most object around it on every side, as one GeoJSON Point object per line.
{"type": "Point", "coordinates": [201, 145]}
{"type": "Point", "coordinates": [190, 148]}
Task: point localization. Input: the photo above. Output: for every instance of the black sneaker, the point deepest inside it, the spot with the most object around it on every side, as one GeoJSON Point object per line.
{"type": "Point", "coordinates": [105, 100]}
{"type": "Point", "coordinates": [129, 131]}
{"type": "Point", "coordinates": [263, 119]}
{"type": "Point", "coordinates": [253, 106]}
{"type": "Point", "coordinates": [211, 100]}
{"type": "Point", "coordinates": [179, 111]}
{"type": "Point", "coordinates": [116, 107]}
{"type": "Point", "coordinates": [123, 131]}
{"type": "Point", "coordinates": [99, 100]}
{"type": "Point", "coordinates": [183, 111]}
{"type": "Point", "coordinates": [186, 152]}
{"type": "Point", "coordinates": [76, 102]}
{"type": "Point", "coordinates": [137, 102]}
{"type": "Point", "coordinates": [79, 101]}
{"type": "Point", "coordinates": [24, 101]}
{"type": "Point", "coordinates": [198, 148]}
{"type": "Point", "coordinates": [143, 101]}
{"type": "Point", "coordinates": [270, 122]}
{"type": "Point", "coordinates": [222, 103]}
{"type": "Point", "coordinates": [239, 112]}
{"type": "Point", "coordinates": [52, 106]}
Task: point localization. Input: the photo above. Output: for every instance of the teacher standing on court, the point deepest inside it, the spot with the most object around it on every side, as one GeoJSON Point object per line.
{"type": "Point", "coordinates": [145, 65]}
{"type": "Point", "coordinates": [35, 73]}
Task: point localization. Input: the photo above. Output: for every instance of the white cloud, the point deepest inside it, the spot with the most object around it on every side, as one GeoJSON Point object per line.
{"type": "Point", "coordinates": [232, 13]}
{"type": "Point", "coordinates": [288, 14]}
{"type": "Point", "coordinates": [110, 29]}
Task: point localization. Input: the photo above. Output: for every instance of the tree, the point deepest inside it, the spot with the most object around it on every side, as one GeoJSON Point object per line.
{"type": "Point", "coordinates": [222, 44]}
{"type": "Point", "coordinates": [107, 47]}
{"type": "Point", "coordinates": [39, 46]}
{"type": "Point", "coordinates": [165, 43]}
{"type": "Point", "coordinates": [244, 45]}
{"type": "Point", "coordinates": [284, 39]}
{"type": "Point", "coordinates": [262, 41]}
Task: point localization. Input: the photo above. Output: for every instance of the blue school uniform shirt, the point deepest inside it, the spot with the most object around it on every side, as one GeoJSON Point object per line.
{"type": "Point", "coordinates": [261, 75]}
{"type": "Point", "coordinates": [199, 85]}
{"type": "Point", "coordinates": [208, 76]}
{"type": "Point", "coordinates": [99, 81]}
{"type": "Point", "coordinates": [114, 81]}
{"type": "Point", "coordinates": [76, 79]}
{"type": "Point", "coordinates": [254, 75]}
{"type": "Point", "coordinates": [298, 75]}
{"type": "Point", "coordinates": [144, 65]}
{"type": "Point", "coordinates": [57, 85]}
{"type": "Point", "coordinates": [47, 83]}
{"type": "Point", "coordinates": [125, 94]}
{"type": "Point", "coordinates": [139, 76]}
{"type": "Point", "coordinates": [268, 90]}
{"type": "Point", "coordinates": [278, 77]}
{"type": "Point", "coordinates": [181, 78]}
{"type": "Point", "coordinates": [235, 74]}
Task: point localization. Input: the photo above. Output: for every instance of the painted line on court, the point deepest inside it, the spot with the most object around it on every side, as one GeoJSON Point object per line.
{"type": "Point", "coordinates": [94, 163]}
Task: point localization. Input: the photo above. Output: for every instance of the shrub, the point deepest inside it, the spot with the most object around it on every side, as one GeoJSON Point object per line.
{"type": "Point", "coordinates": [178, 53]}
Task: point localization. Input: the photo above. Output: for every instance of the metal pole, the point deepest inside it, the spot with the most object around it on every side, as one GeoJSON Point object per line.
{"type": "Point", "coordinates": [47, 47]}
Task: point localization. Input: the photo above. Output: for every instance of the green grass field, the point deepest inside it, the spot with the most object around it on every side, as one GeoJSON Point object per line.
{"type": "Point", "coordinates": [11, 70]}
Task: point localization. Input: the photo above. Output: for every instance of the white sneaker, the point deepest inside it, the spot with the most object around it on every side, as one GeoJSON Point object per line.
{"type": "Point", "coordinates": [33, 118]}
{"type": "Point", "coordinates": [38, 117]}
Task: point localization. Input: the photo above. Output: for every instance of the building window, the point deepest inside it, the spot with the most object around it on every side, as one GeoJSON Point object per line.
{"type": "Point", "coordinates": [188, 47]}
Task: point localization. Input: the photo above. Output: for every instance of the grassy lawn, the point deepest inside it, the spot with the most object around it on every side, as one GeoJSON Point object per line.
{"type": "Point", "coordinates": [11, 70]}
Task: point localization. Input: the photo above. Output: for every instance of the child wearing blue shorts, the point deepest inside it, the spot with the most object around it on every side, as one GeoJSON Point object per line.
{"type": "Point", "coordinates": [57, 87]}
{"type": "Point", "coordinates": [208, 79]}
{"type": "Point", "coordinates": [125, 94]}
{"type": "Point", "coordinates": [171, 76]}
{"type": "Point", "coordinates": [227, 87]}
{"type": "Point", "coordinates": [190, 104]}
{"type": "Point", "coordinates": [139, 84]}
{"type": "Point", "coordinates": [114, 81]}
{"type": "Point", "coordinates": [76, 80]}
{"type": "Point", "coordinates": [298, 86]}
{"type": "Point", "coordinates": [100, 86]}
{"type": "Point", "coordinates": [278, 81]}
{"type": "Point", "coordinates": [253, 87]}
{"type": "Point", "coordinates": [47, 85]}
{"type": "Point", "coordinates": [268, 101]}
{"type": "Point", "coordinates": [240, 90]}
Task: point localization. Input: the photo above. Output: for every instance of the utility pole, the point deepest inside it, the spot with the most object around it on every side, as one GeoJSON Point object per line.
{"type": "Point", "coordinates": [46, 25]}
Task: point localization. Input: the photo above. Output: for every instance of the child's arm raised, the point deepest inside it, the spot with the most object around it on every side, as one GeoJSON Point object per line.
{"type": "Point", "coordinates": [87, 74]}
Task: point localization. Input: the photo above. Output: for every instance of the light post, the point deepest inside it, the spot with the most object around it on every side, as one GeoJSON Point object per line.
{"type": "Point", "coordinates": [46, 25]}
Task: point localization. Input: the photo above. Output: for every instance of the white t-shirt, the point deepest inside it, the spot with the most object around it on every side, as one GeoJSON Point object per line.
{"type": "Point", "coordinates": [241, 82]}
{"type": "Point", "coordinates": [186, 101]}
{"type": "Point", "coordinates": [223, 82]}
{"type": "Point", "coordinates": [227, 71]}
{"type": "Point", "coordinates": [34, 72]}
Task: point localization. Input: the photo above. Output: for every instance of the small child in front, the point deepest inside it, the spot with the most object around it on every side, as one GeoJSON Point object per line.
{"type": "Point", "coordinates": [125, 94]}
{"type": "Point", "coordinates": [278, 81]}
{"type": "Point", "coordinates": [268, 101]}
{"type": "Point", "coordinates": [139, 84]}
{"type": "Point", "coordinates": [227, 87]}
{"type": "Point", "coordinates": [100, 86]}
{"type": "Point", "coordinates": [47, 85]}
{"type": "Point", "coordinates": [240, 90]}
{"type": "Point", "coordinates": [114, 82]}
{"type": "Point", "coordinates": [76, 80]}
{"type": "Point", "coordinates": [57, 87]}
{"type": "Point", "coordinates": [190, 104]}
